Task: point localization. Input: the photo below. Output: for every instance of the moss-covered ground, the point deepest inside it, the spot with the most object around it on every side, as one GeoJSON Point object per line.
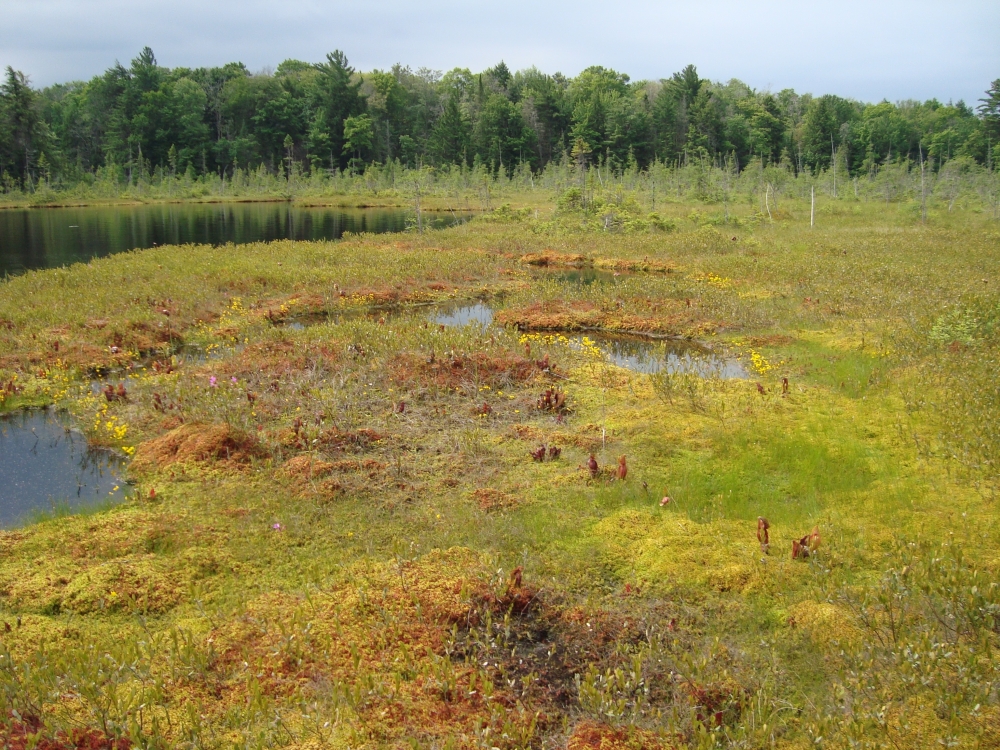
{"type": "Point", "coordinates": [338, 535]}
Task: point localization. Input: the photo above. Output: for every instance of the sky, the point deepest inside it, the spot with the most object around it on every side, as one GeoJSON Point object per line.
{"type": "Point", "coordinates": [868, 50]}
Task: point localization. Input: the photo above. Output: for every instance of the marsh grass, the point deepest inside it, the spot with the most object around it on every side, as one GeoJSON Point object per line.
{"type": "Point", "coordinates": [341, 585]}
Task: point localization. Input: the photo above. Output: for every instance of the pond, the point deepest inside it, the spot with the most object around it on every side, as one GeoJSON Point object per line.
{"type": "Point", "coordinates": [45, 466]}
{"type": "Point", "coordinates": [635, 353]}
{"type": "Point", "coordinates": [463, 314]}
{"type": "Point", "coordinates": [51, 237]}
{"type": "Point", "coordinates": [650, 356]}
{"type": "Point", "coordinates": [581, 276]}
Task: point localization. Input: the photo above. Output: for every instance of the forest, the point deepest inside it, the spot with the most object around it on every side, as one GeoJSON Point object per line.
{"type": "Point", "coordinates": [145, 121]}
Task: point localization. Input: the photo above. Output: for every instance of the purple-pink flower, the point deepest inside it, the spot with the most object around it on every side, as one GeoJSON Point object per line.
{"type": "Point", "coordinates": [212, 381]}
{"type": "Point", "coordinates": [277, 527]}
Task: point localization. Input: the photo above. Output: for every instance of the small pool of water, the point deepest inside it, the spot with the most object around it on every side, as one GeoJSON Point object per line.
{"type": "Point", "coordinates": [45, 466]}
{"type": "Point", "coordinates": [463, 314]}
{"type": "Point", "coordinates": [581, 276]}
{"type": "Point", "coordinates": [650, 356]}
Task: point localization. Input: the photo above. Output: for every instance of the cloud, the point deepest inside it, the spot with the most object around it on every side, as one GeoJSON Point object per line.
{"type": "Point", "coordinates": [868, 50]}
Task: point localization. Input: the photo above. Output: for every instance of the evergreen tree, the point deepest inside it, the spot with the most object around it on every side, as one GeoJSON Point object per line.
{"type": "Point", "coordinates": [339, 96]}
{"type": "Point", "coordinates": [20, 121]}
{"type": "Point", "coordinates": [451, 137]}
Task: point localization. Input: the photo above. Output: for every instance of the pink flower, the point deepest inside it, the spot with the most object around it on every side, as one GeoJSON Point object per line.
{"type": "Point", "coordinates": [665, 501]}
{"type": "Point", "coordinates": [234, 379]}
{"type": "Point", "coordinates": [277, 527]}
{"type": "Point", "coordinates": [212, 381]}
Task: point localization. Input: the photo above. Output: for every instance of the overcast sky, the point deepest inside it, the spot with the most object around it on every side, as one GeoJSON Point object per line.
{"type": "Point", "coordinates": [866, 49]}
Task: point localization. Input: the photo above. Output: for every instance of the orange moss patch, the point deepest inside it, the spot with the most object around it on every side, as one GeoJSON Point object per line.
{"type": "Point", "coordinates": [671, 318]}
{"type": "Point", "coordinates": [306, 467]}
{"type": "Point", "coordinates": [311, 476]}
{"type": "Point", "coordinates": [274, 359]}
{"type": "Point", "coordinates": [195, 442]}
{"type": "Point", "coordinates": [491, 500]}
{"type": "Point", "coordinates": [479, 368]}
{"type": "Point", "coordinates": [551, 258]}
{"type": "Point", "coordinates": [590, 735]}
{"type": "Point", "coordinates": [383, 636]}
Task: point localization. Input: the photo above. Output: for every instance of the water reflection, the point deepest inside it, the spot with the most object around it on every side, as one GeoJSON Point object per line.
{"type": "Point", "coordinates": [44, 465]}
{"type": "Point", "coordinates": [581, 276]}
{"type": "Point", "coordinates": [50, 237]}
{"type": "Point", "coordinates": [650, 356]}
{"type": "Point", "coordinates": [464, 314]}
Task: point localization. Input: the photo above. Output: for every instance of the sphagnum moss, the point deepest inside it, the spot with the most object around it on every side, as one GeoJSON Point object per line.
{"type": "Point", "coordinates": [278, 579]}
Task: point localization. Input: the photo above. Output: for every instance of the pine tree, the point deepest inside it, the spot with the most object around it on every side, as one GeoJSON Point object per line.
{"type": "Point", "coordinates": [451, 136]}
{"type": "Point", "coordinates": [340, 98]}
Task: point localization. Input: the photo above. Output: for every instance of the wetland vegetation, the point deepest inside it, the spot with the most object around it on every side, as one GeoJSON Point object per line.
{"type": "Point", "coordinates": [663, 449]}
{"type": "Point", "coordinates": [400, 490]}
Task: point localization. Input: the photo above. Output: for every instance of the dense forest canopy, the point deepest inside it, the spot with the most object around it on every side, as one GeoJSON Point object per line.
{"type": "Point", "coordinates": [145, 118]}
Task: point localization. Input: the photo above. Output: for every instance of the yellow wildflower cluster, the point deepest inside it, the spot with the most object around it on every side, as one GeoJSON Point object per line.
{"type": "Point", "coordinates": [110, 428]}
{"type": "Point", "coordinates": [590, 348]}
{"type": "Point", "coordinates": [759, 363]}
{"type": "Point", "coordinates": [548, 339]}
{"type": "Point", "coordinates": [58, 382]}
{"type": "Point", "coordinates": [357, 300]}
{"type": "Point", "coordinates": [585, 344]}
{"type": "Point", "coordinates": [719, 282]}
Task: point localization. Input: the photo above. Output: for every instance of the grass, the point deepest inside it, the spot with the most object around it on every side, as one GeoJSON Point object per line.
{"type": "Point", "coordinates": [339, 538]}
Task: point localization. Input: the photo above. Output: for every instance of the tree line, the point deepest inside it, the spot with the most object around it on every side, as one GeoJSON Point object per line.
{"type": "Point", "coordinates": [144, 120]}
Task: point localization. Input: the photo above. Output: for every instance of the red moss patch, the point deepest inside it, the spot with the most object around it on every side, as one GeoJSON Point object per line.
{"type": "Point", "coordinates": [29, 732]}
{"type": "Point", "coordinates": [718, 703]}
{"type": "Point", "coordinates": [590, 735]}
{"type": "Point", "coordinates": [497, 371]}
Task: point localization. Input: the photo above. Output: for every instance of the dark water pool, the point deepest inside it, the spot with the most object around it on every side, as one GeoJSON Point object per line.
{"type": "Point", "coordinates": [50, 237]}
{"type": "Point", "coordinates": [45, 466]}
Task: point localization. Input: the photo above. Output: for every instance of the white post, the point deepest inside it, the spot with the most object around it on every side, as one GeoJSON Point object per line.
{"type": "Point", "coordinates": [923, 191]}
{"type": "Point", "coordinates": [833, 155]}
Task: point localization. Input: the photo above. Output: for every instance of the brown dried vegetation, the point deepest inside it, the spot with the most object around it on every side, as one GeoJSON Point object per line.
{"type": "Point", "coordinates": [491, 500]}
{"type": "Point", "coordinates": [195, 442]}
{"type": "Point", "coordinates": [465, 371]}
{"type": "Point", "coordinates": [669, 318]}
